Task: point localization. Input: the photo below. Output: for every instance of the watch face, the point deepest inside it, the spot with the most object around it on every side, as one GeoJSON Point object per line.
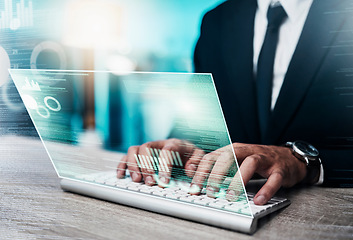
{"type": "Point", "coordinates": [307, 148]}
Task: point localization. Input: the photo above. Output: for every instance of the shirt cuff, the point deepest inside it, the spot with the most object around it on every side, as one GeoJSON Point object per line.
{"type": "Point", "coordinates": [321, 177]}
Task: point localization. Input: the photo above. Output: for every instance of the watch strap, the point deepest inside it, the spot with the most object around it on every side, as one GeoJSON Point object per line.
{"type": "Point", "coordinates": [312, 174]}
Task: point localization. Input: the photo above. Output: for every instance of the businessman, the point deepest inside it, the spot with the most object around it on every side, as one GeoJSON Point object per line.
{"type": "Point", "coordinates": [284, 74]}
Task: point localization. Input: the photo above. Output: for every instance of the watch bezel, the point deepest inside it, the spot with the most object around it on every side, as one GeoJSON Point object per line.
{"type": "Point", "coordinates": [311, 159]}
{"type": "Point", "coordinates": [299, 149]}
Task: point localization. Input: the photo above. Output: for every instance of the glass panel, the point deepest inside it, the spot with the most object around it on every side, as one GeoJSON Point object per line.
{"type": "Point", "coordinates": [88, 120]}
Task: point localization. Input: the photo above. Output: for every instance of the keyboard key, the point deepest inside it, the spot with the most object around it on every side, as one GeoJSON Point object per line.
{"type": "Point", "coordinates": [257, 208]}
{"type": "Point", "coordinates": [100, 180]}
{"type": "Point", "coordinates": [133, 187]}
{"type": "Point", "coordinates": [234, 208]}
{"type": "Point", "coordinates": [186, 199]}
{"type": "Point", "coordinates": [172, 196]}
{"type": "Point", "coordinates": [111, 182]}
{"type": "Point", "coordinates": [172, 189]}
{"type": "Point", "coordinates": [136, 184]}
{"type": "Point", "coordinates": [202, 201]}
{"type": "Point", "coordinates": [182, 192]}
{"type": "Point", "coordinates": [216, 204]}
{"type": "Point", "coordinates": [88, 178]}
{"type": "Point", "coordinates": [159, 193]}
{"type": "Point", "coordinates": [156, 188]}
{"type": "Point", "coordinates": [121, 184]}
{"type": "Point", "coordinates": [224, 201]}
{"type": "Point", "coordinates": [146, 190]}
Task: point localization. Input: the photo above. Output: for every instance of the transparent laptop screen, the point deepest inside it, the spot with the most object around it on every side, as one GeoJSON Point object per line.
{"type": "Point", "coordinates": [164, 129]}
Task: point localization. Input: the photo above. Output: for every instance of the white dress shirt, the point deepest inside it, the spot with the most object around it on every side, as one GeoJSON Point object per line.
{"type": "Point", "coordinates": [289, 33]}
{"type": "Point", "coordinates": [290, 30]}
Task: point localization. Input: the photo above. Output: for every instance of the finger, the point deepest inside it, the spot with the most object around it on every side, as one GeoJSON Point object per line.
{"type": "Point", "coordinates": [248, 167]}
{"type": "Point", "coordinates": [184, 148]}
{"type": "Point", "coordinates": [132, 164]}
{"type": "Point", "coordinates": [219, 171]}
{"type": "Point", "coordinates": [192, 163]}
{"type": "Point", "coordinates": [168, 157]}
{"type": "Point", "coordinates": [121, 169]}
{"type": "Point", "coordinates": [267, 191]}
{"type": "Point", "coordinates": [166, 162]}
{"type": "Point", "coordinates": [147, 163]}
{"type": "Point", "coordinates": [171, 156]}
{"type": "Point", "coordinates": [242, 177]}
{"type": "Point", "coordinates": [202, 172]}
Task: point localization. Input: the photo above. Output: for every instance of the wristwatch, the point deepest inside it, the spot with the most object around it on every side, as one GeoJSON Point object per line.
{"type": "Point", "coordinates": [308, 154]}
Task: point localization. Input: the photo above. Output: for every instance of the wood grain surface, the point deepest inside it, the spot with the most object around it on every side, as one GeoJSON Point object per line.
{"type": "Point", "coordinates": [33, 206]}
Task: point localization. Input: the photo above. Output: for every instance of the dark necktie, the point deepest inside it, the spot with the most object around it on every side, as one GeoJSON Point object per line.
{"type": "Point", "coordinates": [264, 77]}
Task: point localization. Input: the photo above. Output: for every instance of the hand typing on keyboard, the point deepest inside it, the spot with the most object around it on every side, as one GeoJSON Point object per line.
{"type": "Point", "coordinates": [277, 164]}
{"type": "Point", "coordinates": [160, 156]}
{"type": "Point", "coordinates": [153, 163]}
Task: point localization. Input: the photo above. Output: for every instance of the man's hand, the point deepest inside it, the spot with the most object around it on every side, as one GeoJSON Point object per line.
{"type": "Point", "coordinates": [143, 160]}
{"type": "Point", "coordinates": [277, 164]}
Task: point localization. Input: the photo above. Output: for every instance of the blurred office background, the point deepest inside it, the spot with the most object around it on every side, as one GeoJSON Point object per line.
{"type": "Point", "coordinates": [114, 35]}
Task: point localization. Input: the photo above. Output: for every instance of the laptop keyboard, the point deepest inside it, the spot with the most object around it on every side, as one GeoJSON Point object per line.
{"type": "Point", "coordinates": [179, 192]}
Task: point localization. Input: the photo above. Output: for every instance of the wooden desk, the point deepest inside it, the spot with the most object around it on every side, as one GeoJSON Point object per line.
{"type": "Point", "coordinates": [33, 206]}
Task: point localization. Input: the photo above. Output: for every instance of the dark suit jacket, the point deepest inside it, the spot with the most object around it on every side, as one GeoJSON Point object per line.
{"type": "Point", "coordinates": [316, 100]}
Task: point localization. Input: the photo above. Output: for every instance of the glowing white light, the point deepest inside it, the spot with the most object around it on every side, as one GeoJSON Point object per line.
{"type": "Point", "coordinates": [30, 102]}
{"type": "Point", "coordinates": [15, 24]}
{"type": "Point", "coordinates": [119, 63]}
{"type": "Point", "coordinates": [186, 107]}
{"type": "Point", "coordinates": [92, 24]}
{"type": "Point", "coordinates": [4, 66]}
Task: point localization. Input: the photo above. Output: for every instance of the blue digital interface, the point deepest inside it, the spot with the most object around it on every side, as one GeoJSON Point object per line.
{"type": "Point", "coordinates": [136, 35]}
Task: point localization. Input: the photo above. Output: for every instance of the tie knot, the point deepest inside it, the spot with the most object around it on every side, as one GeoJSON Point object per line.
{"type": "Point", "coordinates": [275, 16]}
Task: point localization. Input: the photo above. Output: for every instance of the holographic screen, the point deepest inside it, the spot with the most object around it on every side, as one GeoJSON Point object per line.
{"type": "Point", "coordinates": [87, 120]}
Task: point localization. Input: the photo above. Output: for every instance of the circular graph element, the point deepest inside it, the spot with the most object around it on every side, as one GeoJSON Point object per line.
{"type": "Point", "coordinates": [49, 55]}
{"type": "Point", "coordinates": [45, 114]}
{"type": "Point", "coordinates": [48, 46]}
{"type": "Point", "coordinates": [49, 99]}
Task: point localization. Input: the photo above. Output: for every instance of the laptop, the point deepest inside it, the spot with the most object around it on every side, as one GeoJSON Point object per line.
{"type": "Point", "coordinates": [86, 133]}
